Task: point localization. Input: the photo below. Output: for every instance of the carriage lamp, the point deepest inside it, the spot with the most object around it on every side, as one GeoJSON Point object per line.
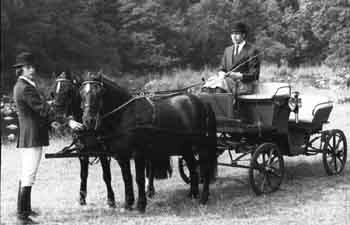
{"type": "Point", "coordinates": [294, 104]}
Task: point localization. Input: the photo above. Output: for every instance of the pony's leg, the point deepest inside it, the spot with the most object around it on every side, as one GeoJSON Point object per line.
{"type": "Point", "coordinates": [124, 165]}
{"type": "Point", "coordinates": [150, 178]}
{"type": "Point", "coordinates": [205, 164]}
{"type": "Point", "coordinates": [140, 180]}
{"type": "Point", "coordinates": [194, 182]}
{"type": "Point", "coordinates": [106, 173]}
{"type": "Point", "coordinates": [84, 171]}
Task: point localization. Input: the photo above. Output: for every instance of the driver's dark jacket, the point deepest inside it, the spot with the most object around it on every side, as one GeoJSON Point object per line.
{"type": "Point", "coordinates": [32, 112]}
{"type": "Point", "coordinates": [247, 62]}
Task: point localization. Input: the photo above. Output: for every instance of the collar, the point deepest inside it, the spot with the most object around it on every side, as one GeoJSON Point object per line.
{"type": "Point", "coordinates": [31, 82]}
{"type": "Point", "coordinates": [241, 45]}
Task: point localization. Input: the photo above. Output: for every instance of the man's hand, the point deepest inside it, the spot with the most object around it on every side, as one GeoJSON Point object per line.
{"type": "Point", "coordinates": [74, 125]}
{"type": "Point", "coordinates": [221, 74]}
{"type": "Point", "coordinates": [50, 102]}
{"type": "Point", "coordinates": [235, 75]}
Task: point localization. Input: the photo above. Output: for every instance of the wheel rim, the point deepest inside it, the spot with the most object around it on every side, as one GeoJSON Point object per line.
{"type": "Point", "coordinates": [267, 171]}
{"type": "Point", "coordinates": [335, 150]}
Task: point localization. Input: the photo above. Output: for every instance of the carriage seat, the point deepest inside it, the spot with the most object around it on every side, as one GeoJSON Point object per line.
{"type": "Point", "coordinates": [314, 111]}
{"type": "Point", "coordinates": [261, 107]}
{"type": "Point", "coordinates": [267, 90]}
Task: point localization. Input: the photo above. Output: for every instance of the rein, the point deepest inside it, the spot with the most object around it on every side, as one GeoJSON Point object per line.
{"type": "Point", "coordinates": [121, 107]}
{"type": "Point", "coordinates": [181, 90]}
{"type": "Point", "coordinates": [147, 97]}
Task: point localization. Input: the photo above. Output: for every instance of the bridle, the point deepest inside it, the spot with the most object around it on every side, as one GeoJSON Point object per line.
{"type": "Point", "coordinates": [86, 105]}
{"type": "Point", "coordinates": [59, 82]}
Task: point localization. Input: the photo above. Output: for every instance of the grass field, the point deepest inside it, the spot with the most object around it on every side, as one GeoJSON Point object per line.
{"type": "Point", "coordinates": [307, 195]}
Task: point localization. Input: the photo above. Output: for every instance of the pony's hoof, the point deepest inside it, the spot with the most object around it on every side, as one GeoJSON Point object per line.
{"type": "Point", "coordinates": [127, 207]}
{"type": "Point", "coordinates": [192, 195]}
{"type": "Point", "coordinates": [141, 208]}
{"type": "Point", "coordinates": [82, 201]}
{"type": "Point", "coordinates": [151, 193]}
{"type": "Point", "coordinates": [203, 200]}
{"type": "Point", "coordinates": [111, 203]}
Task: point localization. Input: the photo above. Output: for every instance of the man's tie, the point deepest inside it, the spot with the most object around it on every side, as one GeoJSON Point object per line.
{"type": "Point", "coordinates": [236, 49]}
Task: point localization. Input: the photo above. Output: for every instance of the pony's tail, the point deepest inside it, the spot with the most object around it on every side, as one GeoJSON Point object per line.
{"type": "Point", "coordinates": [161, 167]}
{"type": "Point", "coordinates": [212, 140]}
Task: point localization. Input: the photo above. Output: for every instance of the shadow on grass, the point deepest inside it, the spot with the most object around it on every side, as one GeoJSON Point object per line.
{"type": "Point", "coordinates": [231, 196]}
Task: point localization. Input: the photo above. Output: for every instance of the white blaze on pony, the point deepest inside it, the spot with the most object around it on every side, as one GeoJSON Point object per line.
{"type": "Point", "coordinates": [87, 87]}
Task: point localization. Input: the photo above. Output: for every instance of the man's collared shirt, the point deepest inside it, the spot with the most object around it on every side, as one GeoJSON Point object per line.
{"type": "Point", "coordinates": [240, 46]}
{"type": "Point", "coordinates": [31, 82]}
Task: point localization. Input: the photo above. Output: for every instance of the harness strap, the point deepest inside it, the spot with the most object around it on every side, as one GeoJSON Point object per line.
{"type": "Point", "coordinates": [148, 98]}
{"type": "Point", "coordinates": [120, 107]}
{"type": "Point", "coordinates": [153, 109]}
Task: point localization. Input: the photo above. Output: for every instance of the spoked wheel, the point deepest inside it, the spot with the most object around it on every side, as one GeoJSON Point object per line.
{"type": "Point", "coordinates": [266, 169]}
{"type": "Point", "coordinates": [184, 171]}
{"type": "Point", "coordinates": [334, 152]}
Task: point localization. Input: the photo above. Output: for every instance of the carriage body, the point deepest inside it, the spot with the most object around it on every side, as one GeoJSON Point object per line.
{"type": "Point", "coordinates": [261, 128]}
{"type": "Point", "coordinates": [254, 118]}
{"type": "Point", "coordinates": [265, 116]}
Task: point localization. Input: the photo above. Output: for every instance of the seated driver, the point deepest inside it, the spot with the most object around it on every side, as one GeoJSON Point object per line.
{"type": "Point", "coordinates": [240, 66]}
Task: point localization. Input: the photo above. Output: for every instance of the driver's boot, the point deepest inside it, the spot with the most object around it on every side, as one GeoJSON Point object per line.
{"type": "Point", "coordinates": [22, 206]}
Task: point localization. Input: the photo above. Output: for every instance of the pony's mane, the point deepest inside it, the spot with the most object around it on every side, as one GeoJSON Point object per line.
{"type": "Point", "coordinates": [109, 83]}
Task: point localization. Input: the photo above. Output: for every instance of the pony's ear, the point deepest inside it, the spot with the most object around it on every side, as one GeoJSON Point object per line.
{"type": "Point", "coordinates": [100, 75]}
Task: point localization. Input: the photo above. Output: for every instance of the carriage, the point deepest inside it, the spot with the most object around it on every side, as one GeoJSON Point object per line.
{"type": "Point", "coordinates": [258, 130]}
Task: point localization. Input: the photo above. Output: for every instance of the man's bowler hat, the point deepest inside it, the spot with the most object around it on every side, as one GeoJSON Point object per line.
{"type": "Point", "coordinates": [240, 28]}
{"type": "Point", "coordinates": [23, 59]}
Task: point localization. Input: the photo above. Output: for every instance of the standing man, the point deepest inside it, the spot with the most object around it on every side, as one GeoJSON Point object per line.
{"type": "Point", "coordinates": [33, 120]}
{"type": "Point", "coordinates": [240, 65]}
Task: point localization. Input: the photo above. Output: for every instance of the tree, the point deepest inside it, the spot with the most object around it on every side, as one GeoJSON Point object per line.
{"type": "Point", "coordinates": [330, 23]}
{"type": "Point", "coordinates": [209, 25]}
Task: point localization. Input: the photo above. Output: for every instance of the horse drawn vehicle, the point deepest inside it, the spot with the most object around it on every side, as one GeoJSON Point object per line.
{"type": "Point", "coordinates": [261, 128]}
{"type": "Point", "coordinates": [255, 130]}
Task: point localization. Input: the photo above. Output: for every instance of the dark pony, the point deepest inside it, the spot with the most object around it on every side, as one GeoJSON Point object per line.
{"type": "Point", "coordinates": [146, 128]}
{"type": "Point", "coordinates": [66, 103]}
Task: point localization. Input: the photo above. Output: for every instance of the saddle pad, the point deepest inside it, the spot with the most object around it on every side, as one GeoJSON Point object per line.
{"type": "Point", "coordinates": [144, 112]}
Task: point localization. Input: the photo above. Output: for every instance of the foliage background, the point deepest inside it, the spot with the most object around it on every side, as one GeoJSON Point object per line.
{"type": "Point", "coordinates": [139, 36]}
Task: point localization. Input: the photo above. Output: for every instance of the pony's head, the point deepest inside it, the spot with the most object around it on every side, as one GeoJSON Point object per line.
{"type": "Point", "coordinates": [91, 93]}
{"type": "Point", "coordinates": [63, 95]}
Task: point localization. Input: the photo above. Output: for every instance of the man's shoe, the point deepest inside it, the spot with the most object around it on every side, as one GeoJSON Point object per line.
{"type": "Point", "coordinates": [25, 220]}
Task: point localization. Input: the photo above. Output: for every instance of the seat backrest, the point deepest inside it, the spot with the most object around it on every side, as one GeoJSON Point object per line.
{"type": "Point", "coordinates": [314, 109]}
{"type": "Point", "coordinates": [268, 90]}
